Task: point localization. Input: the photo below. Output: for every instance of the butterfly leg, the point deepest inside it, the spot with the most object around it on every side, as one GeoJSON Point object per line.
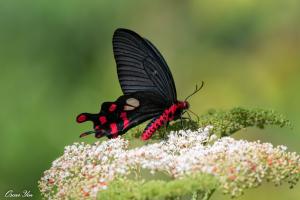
{"type": "Point", "coordinates": [197, 116]}
{"type": "Point", "coordinates": [181, 121]}
{"type": "Point", "coordinates": [166, 125]}
{"type": "Point", "coordinates": [189, 116]}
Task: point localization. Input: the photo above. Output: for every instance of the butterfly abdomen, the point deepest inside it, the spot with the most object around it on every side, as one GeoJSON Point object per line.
{"type": "Point", "coordinates": [169, 114]}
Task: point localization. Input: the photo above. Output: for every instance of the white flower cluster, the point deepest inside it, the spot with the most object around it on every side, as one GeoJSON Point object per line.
{"type": "Point", "coordinates": [85, 169]}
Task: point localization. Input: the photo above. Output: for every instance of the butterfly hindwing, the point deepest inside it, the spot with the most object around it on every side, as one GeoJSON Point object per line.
{"type": "Point", "coordinates": [136, 108]}
{"type": "Point", "coordinates": [115, 118]}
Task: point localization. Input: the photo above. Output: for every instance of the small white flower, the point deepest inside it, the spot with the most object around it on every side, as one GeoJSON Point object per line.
{"type": "Point", "coordinates": [238, 164]}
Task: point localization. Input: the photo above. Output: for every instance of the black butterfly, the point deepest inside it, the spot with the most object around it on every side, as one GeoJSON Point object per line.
{"type": "Point", "coordinates": [148, 87]}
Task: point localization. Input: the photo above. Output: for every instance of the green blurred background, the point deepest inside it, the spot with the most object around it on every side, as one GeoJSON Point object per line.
{"type": "Point", "coordinates": [56, 61]}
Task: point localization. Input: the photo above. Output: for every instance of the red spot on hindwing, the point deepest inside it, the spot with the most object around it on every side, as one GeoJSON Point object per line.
{"type": "Point", "coordinates": [102, 119]}
{"type": "Point", "coordinates": [112, 107]}
{"type": "Point", "coordinates": [125, 119]}
{"type": "Point", "coordinates": [114, 129]}
{"type": "Point", "coordinates": [81, 118]}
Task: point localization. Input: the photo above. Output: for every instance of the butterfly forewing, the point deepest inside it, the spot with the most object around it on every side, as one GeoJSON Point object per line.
{"type": "Point", "coordinates": [166, 71]}
{"type": "Point", "coordinates": [141, 67]}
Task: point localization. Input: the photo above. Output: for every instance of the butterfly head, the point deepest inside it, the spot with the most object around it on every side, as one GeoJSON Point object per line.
{"type": "Point", "coordinates": [183, 105]}
{"type": "Point", "coordinates": [186, 105]}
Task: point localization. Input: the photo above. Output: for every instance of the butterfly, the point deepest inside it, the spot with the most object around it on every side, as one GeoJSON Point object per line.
{"type": "Point", "coordinates": [149, 91]}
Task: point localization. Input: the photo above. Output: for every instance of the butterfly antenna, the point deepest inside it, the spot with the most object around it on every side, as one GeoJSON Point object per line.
{"type": "Point", "coordinates": [195, 91]}
{"type": "Point", "coordinates": [181, 120]}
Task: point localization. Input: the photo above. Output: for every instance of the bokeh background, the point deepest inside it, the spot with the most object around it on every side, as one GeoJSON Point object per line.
{"type": "Point", "coordinates": [56, 61]}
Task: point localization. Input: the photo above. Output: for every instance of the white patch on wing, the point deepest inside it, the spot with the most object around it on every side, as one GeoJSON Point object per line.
{"type": "Point", "coordinates": [127, 107]}
{"type": "Point", "coordinates": [133, 102]}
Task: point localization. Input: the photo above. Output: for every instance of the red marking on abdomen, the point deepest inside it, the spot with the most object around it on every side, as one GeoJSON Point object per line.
{"type": "Point", "coordinates": [125, 119]}
{"type": "Point", "coordinates": [102, 119]}
{"type": "Point", "coordinates": [112, 107]}
{"type": "Point", "coordinates": [154, 126]}
{"type": "Point", "coordinates": [161, 120]}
